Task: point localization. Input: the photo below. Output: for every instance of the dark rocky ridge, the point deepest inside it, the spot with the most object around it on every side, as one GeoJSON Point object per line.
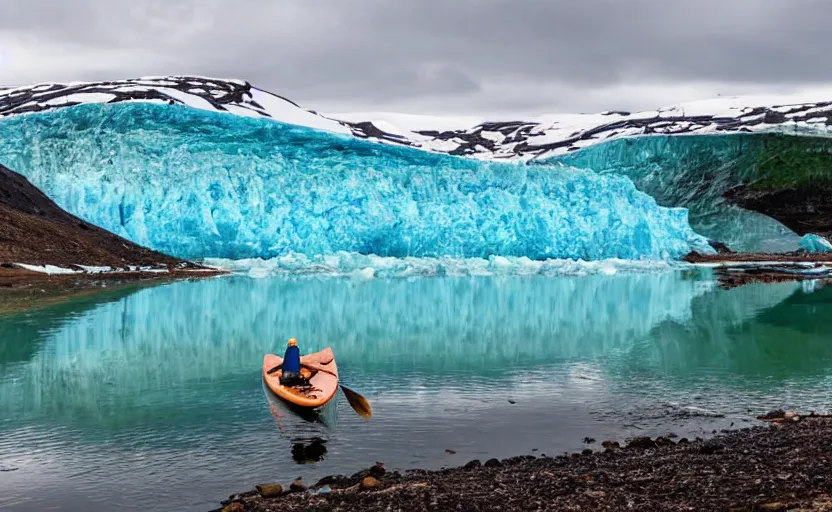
{"type": "Point", "coordinates": [803, 209]}
{"type": "Point", "coordinates": [34, 230]}
{"type": "Point", "coordinates": [517, 132]}
{"type": "Point", "coordinates": [218, 93]}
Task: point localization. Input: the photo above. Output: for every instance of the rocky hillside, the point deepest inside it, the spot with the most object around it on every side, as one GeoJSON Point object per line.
{"type": "Point", "coordinates": [37, 232]}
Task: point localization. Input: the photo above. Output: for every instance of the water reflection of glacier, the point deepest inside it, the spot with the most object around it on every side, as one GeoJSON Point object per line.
{"type": "Point", "coordinates": [177, 338]}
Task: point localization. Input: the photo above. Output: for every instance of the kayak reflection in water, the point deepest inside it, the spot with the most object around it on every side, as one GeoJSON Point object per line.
{"type": "Point", "coordinates": [308, 453]}
{"type": "Point", "coordinates": [292, 374]}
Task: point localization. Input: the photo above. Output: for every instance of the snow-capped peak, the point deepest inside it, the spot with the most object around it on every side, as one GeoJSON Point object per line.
{"type": "Point", "coordinates": [227, 95]}
{"type": "Point", "coordinates": [465, 136]}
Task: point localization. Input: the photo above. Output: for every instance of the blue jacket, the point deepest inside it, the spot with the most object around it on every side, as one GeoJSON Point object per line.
{"type": "Point", "coordinates": [291, 360]}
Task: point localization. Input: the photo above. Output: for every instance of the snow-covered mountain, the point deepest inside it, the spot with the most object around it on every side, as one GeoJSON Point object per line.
{"type": "Point", "coordinates": [505, 139]}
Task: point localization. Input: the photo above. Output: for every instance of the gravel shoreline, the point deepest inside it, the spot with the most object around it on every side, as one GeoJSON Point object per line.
{"type": "Point", "coordinates": [739, 269]}
{"type": "Point", "coordinates": [785, 465]}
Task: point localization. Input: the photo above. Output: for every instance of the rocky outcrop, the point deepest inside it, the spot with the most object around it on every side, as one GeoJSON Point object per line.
{"type": "Point", "coordinates": [35, 231]}
{"type": "Point", "coordinates": [804, 210]}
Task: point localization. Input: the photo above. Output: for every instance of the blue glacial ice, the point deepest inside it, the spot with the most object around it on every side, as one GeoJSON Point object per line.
{"type": "Point", "coordinates": [815, 243]}
{"type": "Point", "coordinates": [695, 171]}
{"type": "Point", "coordinates": [200, 184]}
{"type": "Point", "coordinates": [368, 266]}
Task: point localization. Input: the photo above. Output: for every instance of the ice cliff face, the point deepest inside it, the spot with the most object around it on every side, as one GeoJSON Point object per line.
{"type": "Point", "coordinates": [201, 184]}
{"type": "Point", "coordinates": [273, 179]}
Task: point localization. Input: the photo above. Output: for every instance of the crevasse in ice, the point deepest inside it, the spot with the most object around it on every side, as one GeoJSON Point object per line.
{"type": "Point", "coordinates": [200, 184]}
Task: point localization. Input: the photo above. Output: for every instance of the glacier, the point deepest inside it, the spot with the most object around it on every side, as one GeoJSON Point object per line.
{"type": "Point", "coordinates": [200, 184]}
{"type": "Point", "coordinates": [751, 171]}
{"type": "Point", "coordinates": [697, 171]}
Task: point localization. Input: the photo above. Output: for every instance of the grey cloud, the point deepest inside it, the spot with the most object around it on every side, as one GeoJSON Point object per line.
{"type": "Point", "coordinates": [442, 55]}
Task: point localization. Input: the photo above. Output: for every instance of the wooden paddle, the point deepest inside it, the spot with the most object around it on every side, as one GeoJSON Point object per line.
{"type": "Point", "coordinates": [358, 403]}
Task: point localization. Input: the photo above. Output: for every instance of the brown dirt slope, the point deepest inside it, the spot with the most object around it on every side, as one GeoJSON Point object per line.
{"type": "Point", "coordinates": [35, 230]}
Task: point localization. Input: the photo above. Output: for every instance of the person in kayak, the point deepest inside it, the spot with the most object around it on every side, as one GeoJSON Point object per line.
{"type": "Point", "coordinates": [291, 375]}
{"type": "Point", "coordinates": [291, 364]}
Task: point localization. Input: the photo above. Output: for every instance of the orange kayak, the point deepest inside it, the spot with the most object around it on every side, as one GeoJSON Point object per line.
{"type": "Point", "coordinates": [323, 380]}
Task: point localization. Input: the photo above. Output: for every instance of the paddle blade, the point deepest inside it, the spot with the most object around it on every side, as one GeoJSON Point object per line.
{"type": "Point", "coordinates": [358, 403]}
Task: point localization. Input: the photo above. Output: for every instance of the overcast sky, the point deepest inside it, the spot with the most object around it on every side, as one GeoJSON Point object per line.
{"type": "Point", "coordinates": [434, 56]}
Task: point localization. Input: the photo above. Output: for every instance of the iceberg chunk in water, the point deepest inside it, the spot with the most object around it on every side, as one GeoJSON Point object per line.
{"type": "Point", "coordinates": [815, 243]}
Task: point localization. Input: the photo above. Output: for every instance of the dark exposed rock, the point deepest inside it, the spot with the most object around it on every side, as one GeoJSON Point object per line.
{"type": "Point", "coordinates": [332, 480]}
{"type": "Point", "coordinates": [803, 210]}
{"type": "Point", "coordinates": [519, 458]}
{"type": "Point", "coordinates": [218, 93]}
{"type": "Point", "coordinates": [240, 496]}
{"type": "Point", "coordinates": [368, 129]}
{"type": "Point", "coordinates": [493, 463]}
{"type": "Point", "coordinates": [641, 443]}
{"type": "Point", "coordinates": [720, 247]}
{"type": "Point", "coordinates": [771, 415]}
{"type": "Point", "coordinates": [611, 445]}
{"type": "Point", "coordinates": [473, 464]}
{"type": "Point", "coordinates": [377, 470]}
{"type": "Point", "coordinates": [711, 447]}
{"type": "Point", "coordinates": [297, 486]}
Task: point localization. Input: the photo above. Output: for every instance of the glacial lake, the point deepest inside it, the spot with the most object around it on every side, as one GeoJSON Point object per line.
{"type": "Point", "coordinates": [153, 399]}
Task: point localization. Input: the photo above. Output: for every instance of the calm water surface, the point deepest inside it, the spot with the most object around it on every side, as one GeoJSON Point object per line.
{"type": "Point", "coordinates": [153, 399]}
